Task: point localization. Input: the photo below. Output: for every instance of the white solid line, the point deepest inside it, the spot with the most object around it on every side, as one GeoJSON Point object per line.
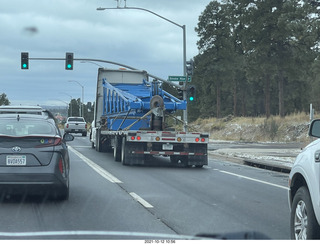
{"type": "Point", "coordinates": [140, 200]}
{"type": "Point", "coordinates": [105, 174]}
{"type": "Point", "coordinates": [252, 179]}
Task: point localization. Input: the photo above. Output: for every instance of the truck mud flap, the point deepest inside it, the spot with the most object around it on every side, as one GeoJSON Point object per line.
{"type": "Point", "coordinates": [127, 155]}
{"type": "Point", "coordinates": [197, 161]}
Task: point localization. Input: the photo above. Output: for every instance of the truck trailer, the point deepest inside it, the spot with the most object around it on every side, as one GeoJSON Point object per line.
{"type": "Point", "coordinates": [130, 120]}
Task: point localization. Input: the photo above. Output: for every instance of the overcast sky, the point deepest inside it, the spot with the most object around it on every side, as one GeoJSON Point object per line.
{"type": "Point", "coordinates": [50, 28]}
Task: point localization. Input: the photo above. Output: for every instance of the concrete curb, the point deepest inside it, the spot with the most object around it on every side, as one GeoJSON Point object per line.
{"type": "Point", "coordinates": [253, 162]}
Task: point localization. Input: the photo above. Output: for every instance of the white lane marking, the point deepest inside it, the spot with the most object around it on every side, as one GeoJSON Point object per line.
{"type": "Point", "coordinates": [105, 174]}
{"type": "Point", "coordinates": [252, 179]}
{"type": "Point", "coordinates": [140, 200]}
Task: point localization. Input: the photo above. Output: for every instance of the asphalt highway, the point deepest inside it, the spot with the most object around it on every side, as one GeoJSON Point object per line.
{"type": "Point", "coordinates": [222, 197]}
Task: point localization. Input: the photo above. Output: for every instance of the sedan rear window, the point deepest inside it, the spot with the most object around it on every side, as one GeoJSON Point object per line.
{"type": "Point", "coordinates": [26, 128]}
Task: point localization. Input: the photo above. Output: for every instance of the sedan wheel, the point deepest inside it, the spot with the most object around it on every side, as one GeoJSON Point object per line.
{"type": "Point", "coordinates": [303, 223]}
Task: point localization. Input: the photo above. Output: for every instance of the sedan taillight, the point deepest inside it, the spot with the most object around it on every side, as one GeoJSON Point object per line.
{"type": "Point", "coordinates": [49, 142]}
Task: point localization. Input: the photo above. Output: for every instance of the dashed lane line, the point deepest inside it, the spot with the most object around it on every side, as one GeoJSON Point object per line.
{"type": "Point", "coordinates": [252, 179]}
{"type": "Point", "coordinates": [105, 174]}
{"type": "Point", "coordinates": [140, 200]}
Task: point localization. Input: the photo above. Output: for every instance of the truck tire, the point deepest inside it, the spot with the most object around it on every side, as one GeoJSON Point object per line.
{"type": "Point", "coordinates": [303, 223]}
{"type": "Point", "coordinates": [124, 152]}
{"type": "Point", "coordinates": [102, 146]}
{"type": "Point", "coordinates": [117, 149]}
{"type": "Point", "coordinates": [98, 142]}
{"type": "Point", "coordinates": [174, 159]}
{"type": "Point", "coordinates": [127, 157]}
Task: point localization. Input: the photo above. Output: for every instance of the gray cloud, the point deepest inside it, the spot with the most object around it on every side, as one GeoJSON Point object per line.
{"type": "Point", "coordinates": [49, 28]}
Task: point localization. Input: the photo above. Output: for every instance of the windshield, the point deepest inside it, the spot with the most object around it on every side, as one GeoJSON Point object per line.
{"type": "Point", "coordinates": [25, 127]}
{"type": "Point", "coordinates": [200, 109]}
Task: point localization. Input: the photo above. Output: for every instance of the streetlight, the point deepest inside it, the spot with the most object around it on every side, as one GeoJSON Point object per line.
{"type": "Point", "coordinates": [172, 22]}
{"type": "Point", "coordinates": [91, 62]}
{"type": "Point", "coordinates": [69, 103]}
{"type": "Point", "coordinates": [66, 104]}
{"type": "Point", "coordinates": [185, 113]}
{"type": "Point", "coordinates": [82, 108]}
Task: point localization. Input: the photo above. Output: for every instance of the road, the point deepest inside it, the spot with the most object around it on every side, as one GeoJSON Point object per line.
{"type": "Point", "coordinates": [105, 195]}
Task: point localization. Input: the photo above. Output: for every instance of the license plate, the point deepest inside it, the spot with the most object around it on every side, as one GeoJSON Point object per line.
{"type": "Point", "coordinates": [167, 147]}
{"type": "Point", "coordinates": [16, 160]}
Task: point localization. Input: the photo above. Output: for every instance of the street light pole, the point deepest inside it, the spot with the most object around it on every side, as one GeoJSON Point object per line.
{"type": "Point", "coordinates": [70, 104]}
{"type": "Point", "coordinates": [81, 104]}
{"type": "Point", "coordinates": [185, 112]}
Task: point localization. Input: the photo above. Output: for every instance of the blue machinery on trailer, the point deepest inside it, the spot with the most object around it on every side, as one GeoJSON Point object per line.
{"type": "Point", "coordinates": [136, 106]}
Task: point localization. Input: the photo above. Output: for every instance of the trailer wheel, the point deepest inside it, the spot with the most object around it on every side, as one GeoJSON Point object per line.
{"type": "Point", "coordinates": [199, 166]}
{"type": "Point", "coordinates": [124, 152]}
{"type": "Point", "coordinates": [174, 159]}
{"type": "Point", "coordinates": [185, 161]}
{"type": "Point", "coordinates": [117, 149]}
{"type": "Point", "coordinates": [98, 146]}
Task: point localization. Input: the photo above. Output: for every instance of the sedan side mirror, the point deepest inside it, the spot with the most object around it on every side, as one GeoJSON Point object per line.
{"type": "Point", "coordinates": [68, 137]}
{"type": "Point", "coordinates": [315, 128]}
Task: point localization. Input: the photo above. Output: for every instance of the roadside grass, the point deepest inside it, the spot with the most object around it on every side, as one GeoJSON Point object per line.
{"type": "Point", "coordinates": [292, 128]}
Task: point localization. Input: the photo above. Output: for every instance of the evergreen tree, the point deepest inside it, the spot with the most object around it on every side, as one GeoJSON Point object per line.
{"type": "Point", "coordinates": [4, 100]}
{"type": "Point", "coordinates": [257, 56]}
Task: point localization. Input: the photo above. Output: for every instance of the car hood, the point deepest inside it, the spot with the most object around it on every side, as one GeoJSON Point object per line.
{"type": "Point", "coordinates": [124, 235]}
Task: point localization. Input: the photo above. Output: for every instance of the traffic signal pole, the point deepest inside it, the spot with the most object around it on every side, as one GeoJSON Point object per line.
{"type": "Point", "coordinates": [184, 87]}
{"type": "Point", "coordinates": [185, 112]}
{"type": "Point", "coordinates": [103, 61]}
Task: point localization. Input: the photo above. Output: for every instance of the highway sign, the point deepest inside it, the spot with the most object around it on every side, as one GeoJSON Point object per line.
{"type": "Point", "coordinates": [177, 78]}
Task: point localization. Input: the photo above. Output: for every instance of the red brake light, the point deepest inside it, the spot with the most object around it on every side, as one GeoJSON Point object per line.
{"type": "Point", "coordinates": [132, 138]}
{"type": "Point", "coordinates": [138, 138]}
{"type": "Point", "coordinates": [197, 139]}
{"type": "Point", "coordinates": [61, 168]}
{"type": "Point", "coordinates": [203, 140]}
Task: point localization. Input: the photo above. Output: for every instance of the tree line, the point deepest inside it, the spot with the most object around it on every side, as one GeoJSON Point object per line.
{"type": "Point", "coordinates": [257, 58]}
{"type": "Point", "coordinates": [74, 109]}
{"type": "Point", "coordinates": [4, 99]}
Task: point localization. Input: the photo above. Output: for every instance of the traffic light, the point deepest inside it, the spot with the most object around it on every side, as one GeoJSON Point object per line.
{"type": "Point", "coordinates": [24, 60]}
{"type": "Point", "coordinates": [191, 93]}
{"type": "Point", "coordinates": [69, 61]}
{"type": "Point", "coordinates": [189, 67]}
{"type": "Point", "coordinates": [180, 94]}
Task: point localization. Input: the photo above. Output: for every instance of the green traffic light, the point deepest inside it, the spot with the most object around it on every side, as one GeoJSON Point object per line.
{"type": "Point", "coordinates": [69, 66]}
{"type": "Point", "coordinates": [191, 98]}
{"type": "Point", "coordinates": [24, 66]}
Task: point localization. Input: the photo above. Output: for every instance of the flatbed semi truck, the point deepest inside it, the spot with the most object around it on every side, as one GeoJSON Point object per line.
{"type": "Point", "coordinates": [130, 121]}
